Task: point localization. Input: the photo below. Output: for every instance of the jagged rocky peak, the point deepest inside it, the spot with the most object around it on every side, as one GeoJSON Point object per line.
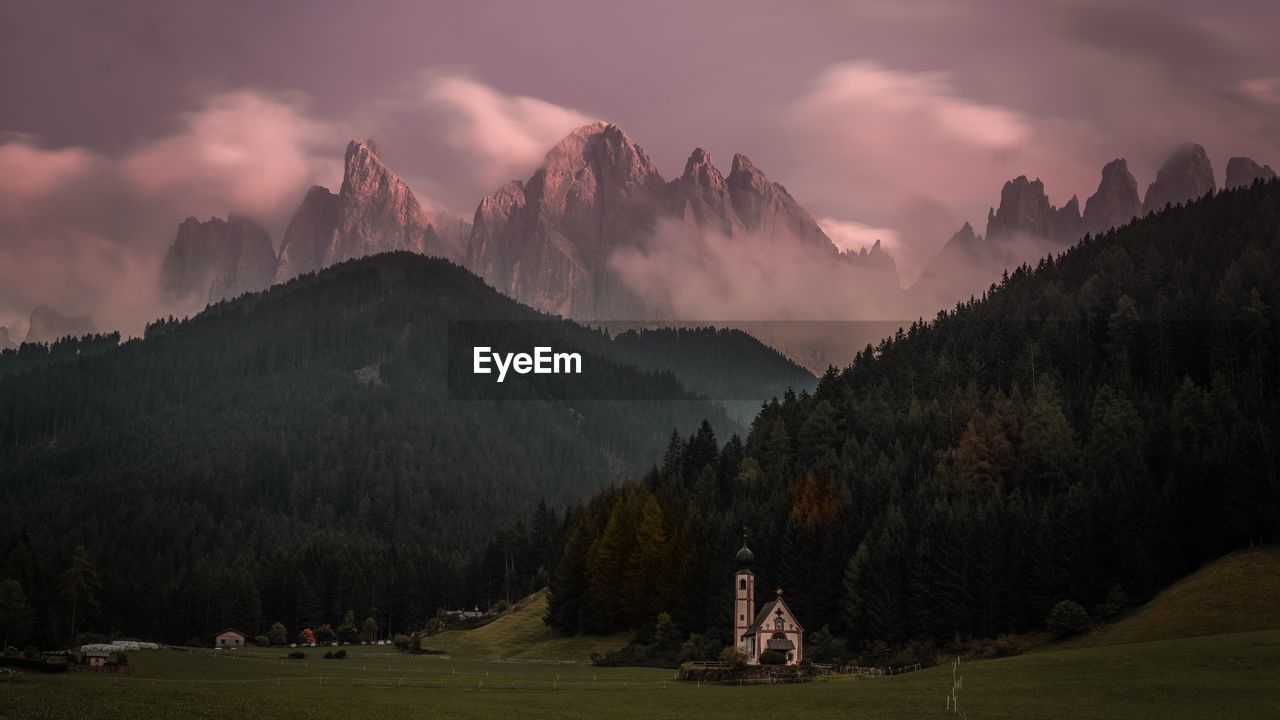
{"type": "Point", "coordinates": [767, 210]}
{"type": "Point", "coordinates": [1067, 222]}
{"type": "Point", "coordinates": [218, 259]}
{"type": "Point", "coordinates": [377, 212]}
{"type": "Point", "coordinates": [1115, 202]}
{"type": "Point", "coordinates": [48, 325]}
{"type": "Point", "coordinates": [307, 238]}
{"type": "Point", "coordinates": [965, 236]}
{"type": "Point", "coordinates": [1242, 171]}
{"type": "Point", "coordinates": [593, 162]}
{"type": "Point", "coordinates": [1024, 209]}
{"type": "Point", "coordinates": [701, 196]}
{"type": "Point", "coordinates": [1187, 174]}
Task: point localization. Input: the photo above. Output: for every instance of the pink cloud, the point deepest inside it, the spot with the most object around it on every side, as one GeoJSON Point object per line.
{"type": "Point", "coordinates": [878, 144]}
{"type": "Point", "coordinates": [242, 152]}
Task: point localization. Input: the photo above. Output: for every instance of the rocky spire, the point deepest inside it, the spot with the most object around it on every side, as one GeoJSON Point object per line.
{"type": "Point", "coordinates": [309, 234]}
{"type": "Point", "coordinates": [1115, 202]}
{"type": "Point", "coordinates": [218, 259]}
{"type": "Point", "coordinates": [767, 210]}
{"type": "Point", "coordinates": [1187, 174]}
{"type": "Point", "coordinates": [1024, 210]}
{"type": "Point", "coordinates": [1066, 224]}
{"type": "Point", "coordinates": [701, 196]}
{"type": "Point", "coordinates": [48, 325]}
{"type": "Point", "coordinates": [1242, 171]}
{"type": "Point", "coordinates": [377, 212]}
{"type": "Point", "coordinates": [547, 242]}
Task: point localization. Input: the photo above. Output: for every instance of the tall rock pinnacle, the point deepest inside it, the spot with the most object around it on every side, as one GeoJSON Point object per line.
{"type": "Point", "coordinates": [1187, 174]}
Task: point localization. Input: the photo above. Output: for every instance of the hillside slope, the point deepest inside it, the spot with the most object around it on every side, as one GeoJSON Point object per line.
{"type": "Point", "coordinates": [1105, 418]}
{"type": "Point", "coordinates": [303, 451]}
{"type": "Point", "coordinates": [1237, 593]}
{"type": "Point", "coordinates": [520, 633]}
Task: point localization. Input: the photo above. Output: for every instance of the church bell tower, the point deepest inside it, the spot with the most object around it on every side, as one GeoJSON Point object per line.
{"type": "Point", "coordinates": [744, 603]}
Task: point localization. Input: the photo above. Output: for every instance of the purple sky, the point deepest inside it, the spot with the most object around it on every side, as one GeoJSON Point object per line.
{"type": "Point", "coordinates": [885, 119]}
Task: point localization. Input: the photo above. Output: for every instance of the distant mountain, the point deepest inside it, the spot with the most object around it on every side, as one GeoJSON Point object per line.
{"type": "Point", "coordinates": [1116, 201]}
{"type": "Point", "coordinates": [48, 325]}
{"type": "Point", "coordinates": [1187, 174]}
{"type": "Point", "coordinates": [1025, 227]}
{"type": "Point", "coordinates": [218, 259]}
{"type": "Point", "coordinates": [5, 342]}
{"type": "Point", "coordinates": [374, 211]}
{"type": "Point", "coordinates": [1242, 171]}
{"type": "Point", "coordinates": [548, 241]}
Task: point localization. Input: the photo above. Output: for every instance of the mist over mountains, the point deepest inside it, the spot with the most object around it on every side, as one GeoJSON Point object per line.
{"type": "Point", "coordinates": [596, 233]}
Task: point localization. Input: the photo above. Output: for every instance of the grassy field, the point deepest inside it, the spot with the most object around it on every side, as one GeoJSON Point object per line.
{"type": "Point", "coordinates": [1217, 676]}
{"type": "Point", "coordinates": [1236, 593]}
{"type": "Point", "coordinates": [520, 633]}
{"type": "Point", "coordinates": [1183, 655]}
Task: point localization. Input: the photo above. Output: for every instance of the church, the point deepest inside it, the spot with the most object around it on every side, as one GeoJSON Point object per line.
{"type": "Point", "coordinates": [774, 627]}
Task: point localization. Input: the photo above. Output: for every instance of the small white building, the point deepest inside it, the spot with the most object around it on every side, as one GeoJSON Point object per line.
{"type": "Point", "coordinates": [773, 627]}
{"type": "Point", "coordinates": [229, 639]}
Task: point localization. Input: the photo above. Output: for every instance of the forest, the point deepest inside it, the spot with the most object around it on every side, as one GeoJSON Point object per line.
{"type": "Point", "coordinates": [299, 453]}
{"type": "Point", "coordinates": [1090, 429]}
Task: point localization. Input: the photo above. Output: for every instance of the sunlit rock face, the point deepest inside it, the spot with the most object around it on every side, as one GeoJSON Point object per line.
{"type": "Point", "coordinates": [548, 241]}
{"type": "Point", "coordinates": [377, 212]}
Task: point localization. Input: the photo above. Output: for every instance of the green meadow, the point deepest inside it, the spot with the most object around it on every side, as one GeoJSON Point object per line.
{"type": "Point", "coordinates": [1231, 675]}
{"type": "Point", "coordinates": [1208, 647]}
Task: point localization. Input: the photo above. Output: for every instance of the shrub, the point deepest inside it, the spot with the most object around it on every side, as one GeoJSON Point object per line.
{"type": "Point", "coordinates": [401, 641]}
{"type": "Point", "coordinates": [340, 655]}
{"type": "Point", "coordinates": [1003, 646]}
{"type": "Point", "coordinates": [328, 654]}
{"type": "Point", "coordinates": [1067, 618]}
{"type": "Point", "coordinates": [825, 647]}
{"type": "Point", "coordinates": [278, 635]}
{"type": "Point", "coordinates": [733, 657]}
{"type": "Point", "coordinates": [773, 657]}
{"type": "Point", "coordinates": [261, 641]}
{"type": "Point", "coordinates": [919, 651]}
{"type": "Point", "coordinates": [700, 647]}
{"type": "Point", "coordinates": [297, 655]}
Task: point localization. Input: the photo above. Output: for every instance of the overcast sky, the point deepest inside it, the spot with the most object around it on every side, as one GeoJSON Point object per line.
{"type": "Point", "coordinates": [885, 119]}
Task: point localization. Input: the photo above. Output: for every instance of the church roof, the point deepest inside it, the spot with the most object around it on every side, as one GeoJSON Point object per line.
{"type": "Point", "coordinates": [766, 611]}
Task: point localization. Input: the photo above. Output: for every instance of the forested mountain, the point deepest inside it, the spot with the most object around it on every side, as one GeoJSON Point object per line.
{"type": "Point", "coordinates": [295, 453]}
{"type": "Point", "coordinates": [1089, 429]}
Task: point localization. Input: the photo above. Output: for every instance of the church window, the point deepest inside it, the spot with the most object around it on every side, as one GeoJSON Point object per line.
{"type": "Point", "coordinates": [742, 584]}
{"type": "Point", "coordinates": [778, 624]}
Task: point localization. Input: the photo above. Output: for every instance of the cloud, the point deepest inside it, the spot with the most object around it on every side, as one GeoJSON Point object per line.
{"type": "Point", "coordinates": [242, 152]}
{"type": "Point", "coordinates": [880, 144]}
{"type": "Point", "coordinates": [84, 232]}
{"type": "Point", "coordinates": [705, 275]}
{"type": "Point", "coordinates": [502, 136]}
{"type": "Point", "coordinates": [850, 235]}
{"type": "Point", "coordinates": [29, 174]}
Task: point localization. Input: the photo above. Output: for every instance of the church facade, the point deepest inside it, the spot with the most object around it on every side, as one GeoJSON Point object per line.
{"type": "Point", "coordinates": [772, 627]}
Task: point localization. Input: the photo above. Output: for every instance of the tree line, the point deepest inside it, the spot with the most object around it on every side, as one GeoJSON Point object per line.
{"type": "Point", "coordinates": [1089, 430]}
